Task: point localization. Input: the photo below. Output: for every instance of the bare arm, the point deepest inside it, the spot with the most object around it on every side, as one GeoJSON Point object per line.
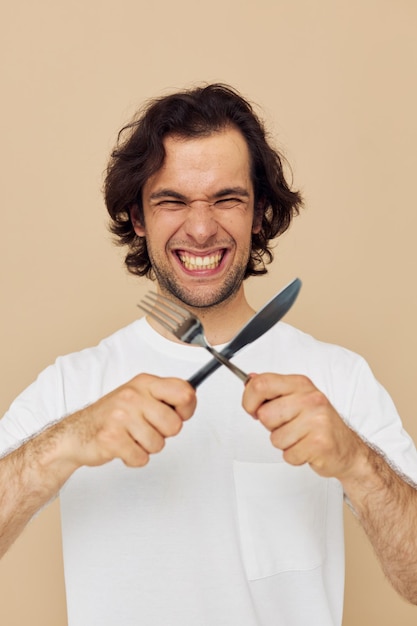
{"type": "Point", "coordinates": [305, 426]}
{"type": "Point", "coordinates": [29, 478]}
{"type": "Point", "coordinates": [130, 423]}
{"type": "Point", "coordinates": [386, 505]}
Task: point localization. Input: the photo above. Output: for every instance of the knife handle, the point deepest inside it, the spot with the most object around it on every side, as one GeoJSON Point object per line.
{"type": "Point", "coordinates": [207, 369]}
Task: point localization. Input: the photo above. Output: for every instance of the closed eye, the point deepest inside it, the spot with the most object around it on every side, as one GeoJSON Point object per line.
{"type": "Point", "coordinates": [171, 204]}
{"type": "Point", "coordinates": [228, 203]}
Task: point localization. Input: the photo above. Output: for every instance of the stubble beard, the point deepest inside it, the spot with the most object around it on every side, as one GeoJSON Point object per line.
{"type": "Point", "coordinates": [200, 298]}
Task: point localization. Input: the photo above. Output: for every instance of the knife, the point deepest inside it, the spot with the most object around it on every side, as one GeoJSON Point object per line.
{"type": "Point", "coordinates": [262, 321]}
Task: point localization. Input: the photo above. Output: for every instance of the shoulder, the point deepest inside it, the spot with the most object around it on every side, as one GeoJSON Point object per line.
{"type": "Point", "coordinates": [332, 368]}
{"type": "Point", "coordinates": [73, 381]}
{"type": "Point", "coordinates": [121, 341]}
{"type": "Point", "coordinates": [301, 347]}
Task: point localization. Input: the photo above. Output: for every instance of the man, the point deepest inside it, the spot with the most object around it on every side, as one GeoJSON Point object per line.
{"type": "Point", "coordinates": [235, 519]}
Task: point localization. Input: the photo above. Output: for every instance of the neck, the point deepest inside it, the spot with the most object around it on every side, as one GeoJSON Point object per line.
{"type": "Point", "coordinates": [221, 322]}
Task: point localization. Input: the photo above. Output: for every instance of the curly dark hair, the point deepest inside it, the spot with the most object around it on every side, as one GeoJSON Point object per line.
{"type": "Point", "coordinates": [196, 112]}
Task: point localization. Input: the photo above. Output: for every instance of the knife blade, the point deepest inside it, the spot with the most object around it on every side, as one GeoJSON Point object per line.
{"type": "Point", "coordinates": [259, 323]}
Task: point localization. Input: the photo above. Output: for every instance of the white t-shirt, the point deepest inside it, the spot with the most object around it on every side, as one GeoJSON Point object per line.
{"type": "Point", "coordinates": [217, 529]}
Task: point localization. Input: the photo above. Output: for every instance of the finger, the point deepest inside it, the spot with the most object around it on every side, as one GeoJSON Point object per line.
{"type": "Point", "coordinates": [277, 412]}
{"type": "Point", "coordinates": [118, 443]}
{"type": "Point", "coordinates": [175, 393]}
{"type": "Point", "coordinates": [327, 451]}
{"type": "Point", "coordinates": [163, 418]}
{"type": "Point", "coordinates": [306, 451]}
{"type": "Point", "coordinates": [146, 436]}
{"type": "Point", "coordinates": [297, 455]}
{"type": "Point", "coordinates": [295, 417]}
{"type": "Point", "coordinates": [267, 386]}
{"type": "Point", "coordinates": [289, 434]}
{"type": "Point", "coordinates": [134, 455]}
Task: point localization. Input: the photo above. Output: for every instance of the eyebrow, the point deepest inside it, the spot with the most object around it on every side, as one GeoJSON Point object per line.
{"type": "Point", "coordinates": [227, 191]}
{"type": "Point", "coordinates": [166, 193]}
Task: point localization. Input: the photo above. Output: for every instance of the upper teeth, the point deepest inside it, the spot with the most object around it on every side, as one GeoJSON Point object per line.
{"type": "Point", "coordinates": [198, 262]}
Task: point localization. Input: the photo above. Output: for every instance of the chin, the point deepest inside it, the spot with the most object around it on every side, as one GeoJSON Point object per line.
{"type": "Point", "coordinates": [205, 297]}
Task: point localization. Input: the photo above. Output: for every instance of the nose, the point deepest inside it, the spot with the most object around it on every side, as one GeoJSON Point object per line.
{"type": "Point", "coordinates": [200, 223]}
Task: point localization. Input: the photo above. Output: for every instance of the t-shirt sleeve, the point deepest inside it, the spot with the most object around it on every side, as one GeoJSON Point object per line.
{"type": "Point", "coordinates": [36, 408]}
{"type": "Point", "coordinates": [373, 415]}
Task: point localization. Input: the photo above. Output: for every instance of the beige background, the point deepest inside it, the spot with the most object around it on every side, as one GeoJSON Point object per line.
{"type": "Point", "coordinates": [336, 81]}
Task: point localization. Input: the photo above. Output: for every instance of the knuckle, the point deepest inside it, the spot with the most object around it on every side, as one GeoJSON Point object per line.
{"type": "Point", "coordinates": [275, 439]}
{"type": "Point", "coordinates": [117, 417]}
{"type": "Point", "coordinates": [291, 457]}
{"type": "Point", "coordinates": [258, 384]}
{"type": "Point", "coordinates": [175, 427]}
{"type": "Point", "coordinates": [127, 394]}
{"type": "Point", "coordinates": [263, 415]}
{"type": "Point", "coordinates": [142, 378]}
{"type": "Point", "coordinates": [323, 425]}
{"type": "Point", "coordinates": [303, 381]}
{"type": "Point", "coordinates": [158, 445]}
{"type": "Point", "coordinates": [317, 398]}
{"type": "Point", "coordinates": [186, 395]}
{"type": "Point", "coordinates": [108, 437]}
{"type": "Point", "coordinates": [143, 461]}
{"type": "Point", "coordinates": [139, 458]}
{"type": "Point", "coordinates": [321, 442]}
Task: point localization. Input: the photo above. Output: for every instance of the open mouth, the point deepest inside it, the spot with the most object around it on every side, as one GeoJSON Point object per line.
{"type": "Point", "coordinates": [192, 262]}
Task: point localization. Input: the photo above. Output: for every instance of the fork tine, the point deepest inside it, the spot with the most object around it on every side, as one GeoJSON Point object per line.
{"type": "Point", "coordinates": [165, 303]}
{"type": "Point", "coordinates": [183, 324]}
{"type": "Point", "coordinates": [162, 310]}
{"type": "Point", "coordinates": [167, 323]}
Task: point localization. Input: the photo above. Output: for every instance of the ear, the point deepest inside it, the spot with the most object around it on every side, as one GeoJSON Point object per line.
{"type": "Point", "coordinates": [257, 218]}
{"type": "Point", "coordinates": [137, 220]}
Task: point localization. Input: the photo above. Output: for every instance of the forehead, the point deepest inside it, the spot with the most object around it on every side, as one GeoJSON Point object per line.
{"type": "Point", "coordinates": [203, 163]}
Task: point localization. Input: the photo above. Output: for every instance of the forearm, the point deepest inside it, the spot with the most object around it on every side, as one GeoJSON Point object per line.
{"type": "Point", "coordinates": [386, 506]}
{"type": "Point", "coordinates": [308, 429]}
{"type": "Point", "coordinates": [130, 423]}
{"type": "Point", "coordinates": [30, 477]}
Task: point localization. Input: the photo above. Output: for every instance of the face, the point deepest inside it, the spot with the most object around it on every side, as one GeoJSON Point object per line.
{"type": "Point", "coordinates": [199, 217]}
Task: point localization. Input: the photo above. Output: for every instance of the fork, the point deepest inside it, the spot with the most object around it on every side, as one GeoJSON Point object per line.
{"type": "Point", "coordinates": [184, 325]}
